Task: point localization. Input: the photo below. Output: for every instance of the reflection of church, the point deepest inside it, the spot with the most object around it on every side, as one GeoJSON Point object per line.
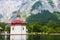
{"type": "Point", "coordinates": [18, 26]}
{"type": "Point", "coordinates": [18, 37]}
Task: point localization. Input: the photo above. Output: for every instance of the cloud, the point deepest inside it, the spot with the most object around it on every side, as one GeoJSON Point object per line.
{"type": "Point", "coordinates": [8, 6]}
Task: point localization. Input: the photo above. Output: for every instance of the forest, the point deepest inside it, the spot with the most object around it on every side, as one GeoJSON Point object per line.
{"type": "Point", "coordinates": [44, 22]}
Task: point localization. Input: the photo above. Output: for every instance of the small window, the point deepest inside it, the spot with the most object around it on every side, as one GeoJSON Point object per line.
{"type": "Point", "coordinates": [13, 28]}
{"type": "Point", "coordinates": [23, 28]}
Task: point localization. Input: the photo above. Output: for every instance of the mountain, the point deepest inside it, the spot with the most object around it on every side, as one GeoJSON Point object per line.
{"type": "Point", "coordinates": [44, 17]}
{"type": "Point", "coordinates": [44, 12]}
{"type": "Point", "coordinates": [9, 8]}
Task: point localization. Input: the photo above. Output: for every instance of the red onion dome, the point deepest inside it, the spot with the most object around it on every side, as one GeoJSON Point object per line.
{"type": "Point", "coordinates": [18, 22]}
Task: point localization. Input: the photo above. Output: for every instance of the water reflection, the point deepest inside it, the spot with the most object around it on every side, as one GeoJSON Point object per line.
{"type": "Point", "coordinates": [17, 37]}
{"type": "Point", "coordinates": [7, 37]}
{"type": "Point", "coordinates": [30, 37]}
{"type": "Point", "coordinates": [4, 37]}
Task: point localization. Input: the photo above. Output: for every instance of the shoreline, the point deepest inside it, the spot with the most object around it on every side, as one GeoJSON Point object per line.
{"type": "Point", "coordinates": [34, 34]}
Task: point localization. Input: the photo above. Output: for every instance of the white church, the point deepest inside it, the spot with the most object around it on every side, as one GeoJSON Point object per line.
{"type": "Point", "coordinates": [18, 26]}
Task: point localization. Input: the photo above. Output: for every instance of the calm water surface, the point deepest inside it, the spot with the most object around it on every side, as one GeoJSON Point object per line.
{"type": "Point", "coordinates": [30, 37]}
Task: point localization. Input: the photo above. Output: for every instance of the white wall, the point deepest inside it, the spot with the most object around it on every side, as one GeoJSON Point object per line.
{"type": "Point", "coordinates": [18, 30]}
{"type": "Point", "coordinates": [24, 31]}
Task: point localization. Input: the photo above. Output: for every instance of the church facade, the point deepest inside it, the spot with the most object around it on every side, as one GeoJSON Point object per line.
{"type": "Point", "coordinates": [18, 26]}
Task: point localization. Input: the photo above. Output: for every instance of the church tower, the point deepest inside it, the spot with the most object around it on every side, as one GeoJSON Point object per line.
{"type": "Point", "coordinates": [18, 26]}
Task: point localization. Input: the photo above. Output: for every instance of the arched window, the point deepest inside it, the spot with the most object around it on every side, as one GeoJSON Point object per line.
{"type": "Point", "coordinates": [13, 28]}
{"type": "Point", "coordinates": [23, 28]}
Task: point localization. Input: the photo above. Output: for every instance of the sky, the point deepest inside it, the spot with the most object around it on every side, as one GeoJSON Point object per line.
{"type": "Point", "coordinates": [8, 6]}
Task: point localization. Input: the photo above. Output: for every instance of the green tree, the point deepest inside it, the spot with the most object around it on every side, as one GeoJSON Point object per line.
{"type": "Point", "coordinates": [7, 28]}
{"type": "Point", "coordinates": [52, 24]}
{"type": "Point", "coordinates": [30, 27]}
{"type": "Point", "coordinates": [46, 29]}
{"type": "Point", "coordinates": [58, 29]}
{"type": "Point", "coordinates": [36, 27]}
{"type": "Point", "coordinates": [2, 25]}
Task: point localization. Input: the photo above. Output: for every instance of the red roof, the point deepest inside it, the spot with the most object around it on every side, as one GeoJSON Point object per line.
{"type": "Point", "coordinates": [18, 22]}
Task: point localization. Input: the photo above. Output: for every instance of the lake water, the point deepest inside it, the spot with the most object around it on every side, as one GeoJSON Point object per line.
{"type": "Point", "coordinates": [30, 37]}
